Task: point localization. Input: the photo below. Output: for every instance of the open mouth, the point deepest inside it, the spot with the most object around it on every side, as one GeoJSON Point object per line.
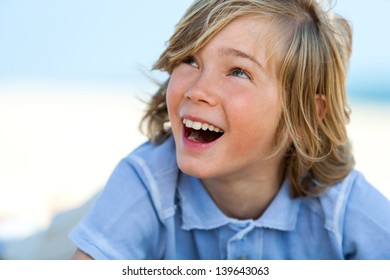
{"type": "Point", "coordinates": [201, 132]}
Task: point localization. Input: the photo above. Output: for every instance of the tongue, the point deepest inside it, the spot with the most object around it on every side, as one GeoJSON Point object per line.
{"type": "Point", "coordinates": [195, 136]}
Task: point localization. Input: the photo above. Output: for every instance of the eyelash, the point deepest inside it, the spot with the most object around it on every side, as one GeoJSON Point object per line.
{"type": "Point", "coordinates": [242, 72]}
{"type": "Point", "coordinates": [190, 60]}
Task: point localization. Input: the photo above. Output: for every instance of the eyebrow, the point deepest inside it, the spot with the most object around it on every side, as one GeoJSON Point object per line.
{"type": "Point", "coordinates": [237, 53]}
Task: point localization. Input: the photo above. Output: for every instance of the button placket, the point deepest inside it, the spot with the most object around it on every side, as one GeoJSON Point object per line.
{"type": "Point", "coordinates": [239, 247]}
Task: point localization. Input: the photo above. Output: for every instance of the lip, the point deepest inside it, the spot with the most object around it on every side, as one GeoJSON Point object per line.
{"type": "Point", "coordinates": [196, 146]}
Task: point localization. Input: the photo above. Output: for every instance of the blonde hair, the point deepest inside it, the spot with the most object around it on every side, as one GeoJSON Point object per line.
{"type": "Point", "coordinates": [310, 51]}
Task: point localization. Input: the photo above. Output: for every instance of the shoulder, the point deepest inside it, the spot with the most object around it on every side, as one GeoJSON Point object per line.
{"type": "Point", "coordinates": [159, 158]}
{"type": "Point", "coordinates": [353, 192]}
{"type": "Point", "coordinates": [355, 195]}
{"type": "Point", "coordinates": [366, 227]}
{"type": "Point", "coordinates": [156, 167]}
{"type": "Point", "coordinates": [355, 211]}
{"type": "Point", "coordinates": [126, 220]}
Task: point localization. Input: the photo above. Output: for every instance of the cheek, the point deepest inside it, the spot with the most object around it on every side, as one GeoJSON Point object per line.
{"type": "Point", "coordinates": [259, 119]}
{"type": "Point", "coordinates": [172, 98]}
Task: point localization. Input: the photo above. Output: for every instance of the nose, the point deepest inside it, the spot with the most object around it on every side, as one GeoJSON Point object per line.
{"type": "Point", "coordinates": [203, 90]}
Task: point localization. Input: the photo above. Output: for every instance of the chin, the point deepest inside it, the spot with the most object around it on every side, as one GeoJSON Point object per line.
{"type": "Point", "coordinates": [194, 170]}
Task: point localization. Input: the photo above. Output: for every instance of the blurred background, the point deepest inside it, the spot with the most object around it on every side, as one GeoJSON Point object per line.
{"type": "Point", "coordinates": [73, 78]}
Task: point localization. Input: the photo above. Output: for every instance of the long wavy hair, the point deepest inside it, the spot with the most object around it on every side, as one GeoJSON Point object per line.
{"type": "Point", "coordinates": [309, 48]}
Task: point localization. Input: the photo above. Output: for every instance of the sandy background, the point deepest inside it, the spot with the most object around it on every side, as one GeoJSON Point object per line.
{"type": "Point", "coordinates": [57, 150]}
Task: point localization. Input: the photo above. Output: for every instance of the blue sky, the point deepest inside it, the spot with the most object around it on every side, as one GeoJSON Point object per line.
{"type": "Point", "coordinates": [114, 41]}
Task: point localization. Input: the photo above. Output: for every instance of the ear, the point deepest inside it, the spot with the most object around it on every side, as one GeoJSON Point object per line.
{"type": "Point", "coordinates": [321, 106]}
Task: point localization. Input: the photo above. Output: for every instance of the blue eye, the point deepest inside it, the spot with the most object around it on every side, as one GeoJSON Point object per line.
{"type": "Point", "coordinates": [190, 61]}
{"type": "Point", "coordinates": [237, 72]}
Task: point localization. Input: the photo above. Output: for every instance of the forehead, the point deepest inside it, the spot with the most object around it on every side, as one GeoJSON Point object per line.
{"type": "Point", "coordinates": [249, 32]}
{"type": "Point", "coordinates": [250, 35]}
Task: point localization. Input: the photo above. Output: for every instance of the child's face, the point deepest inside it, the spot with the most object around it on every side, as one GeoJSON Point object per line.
{"type": "Point", "coordinates": [226, 85]}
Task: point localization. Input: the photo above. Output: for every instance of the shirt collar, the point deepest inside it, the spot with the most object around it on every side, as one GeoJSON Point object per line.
{"type": "Point", "coordinates": [198, 209]}
{"type": "Point", "coordinates": [200, 212]}
{"type": "Point", "coordinates": [282, 213]}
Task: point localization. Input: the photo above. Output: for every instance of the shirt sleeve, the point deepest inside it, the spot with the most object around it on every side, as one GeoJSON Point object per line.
{"type": "Point", "coordinates": [366, 223]}
{"type": "Point", "coordinates": [123, 223]}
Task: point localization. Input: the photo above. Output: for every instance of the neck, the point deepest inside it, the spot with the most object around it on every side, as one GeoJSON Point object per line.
{"type": "Point", "coordinates": [245, 197]}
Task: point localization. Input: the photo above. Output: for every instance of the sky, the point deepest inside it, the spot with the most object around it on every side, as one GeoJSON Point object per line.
{"type": "Point", "coordinates": [116, 42]}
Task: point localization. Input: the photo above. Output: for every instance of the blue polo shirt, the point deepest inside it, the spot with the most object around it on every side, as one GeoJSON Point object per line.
{"type": "Point", "coordinates": [149, 209]}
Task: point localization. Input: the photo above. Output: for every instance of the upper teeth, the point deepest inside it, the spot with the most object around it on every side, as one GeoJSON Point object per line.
{"type": "Point", "coordinates": [198, 125]}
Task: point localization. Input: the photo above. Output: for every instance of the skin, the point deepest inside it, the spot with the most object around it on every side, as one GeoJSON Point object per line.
{"type": "Point", "coordinates": [228, 84]}
{"type": "Point", "coordinates": [80, 255]}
